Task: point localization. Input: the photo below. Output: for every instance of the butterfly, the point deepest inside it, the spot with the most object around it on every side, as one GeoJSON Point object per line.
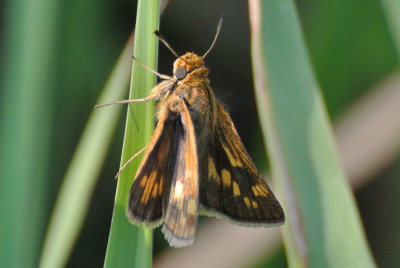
{"type": "Point", "coordinates": [195, 162]}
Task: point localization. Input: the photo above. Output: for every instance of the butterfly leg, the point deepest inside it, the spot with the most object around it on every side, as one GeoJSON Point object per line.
{"type": "Point", "coordinates": [151, 96]}
{"type": "Point", "coordinates": [130, 160]}
{"type": "Point", "coordinates": [161, 88]}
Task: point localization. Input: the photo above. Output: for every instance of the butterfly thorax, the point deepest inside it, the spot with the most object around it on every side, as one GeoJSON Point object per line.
{"type": "Point", "coordinates": [192, 86]}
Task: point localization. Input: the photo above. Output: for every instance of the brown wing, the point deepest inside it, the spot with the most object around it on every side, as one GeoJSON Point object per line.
{"type": "Point", "coordinates": [183, 201]}
{"type": "Point", "coordinates": [233, 189]}
{"type": "Point", "coordinates": [146, 194]}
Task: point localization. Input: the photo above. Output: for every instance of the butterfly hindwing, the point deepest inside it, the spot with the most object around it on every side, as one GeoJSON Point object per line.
{"type": "Point", "coordinates": [146, 194]}
{"type": "Point", "coordinates": [232, 188]}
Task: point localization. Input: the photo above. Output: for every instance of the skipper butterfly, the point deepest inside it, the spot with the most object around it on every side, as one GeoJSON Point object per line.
{"type": "Point", "coordinates": [195, 161]}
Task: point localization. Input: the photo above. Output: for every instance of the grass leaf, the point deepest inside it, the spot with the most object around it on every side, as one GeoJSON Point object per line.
{"type": "Point", "coordinates": [128, 245]}
{"type": "Point", "coordinates": [392, 11]}
{"type": "Point", "coordinates": [323, 228]}
{"type": "Point", "coordinates": [81, 176]}
{"type": "Point", "coordinates": [26, 109]}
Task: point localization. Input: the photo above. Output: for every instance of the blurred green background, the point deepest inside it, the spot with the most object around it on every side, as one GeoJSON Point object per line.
{"type": "Point", "coordinates": [75, 49]}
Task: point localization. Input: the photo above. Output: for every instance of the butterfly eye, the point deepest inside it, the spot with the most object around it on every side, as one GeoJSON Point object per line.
{"type": "Point", "coordinates": [180, 73]}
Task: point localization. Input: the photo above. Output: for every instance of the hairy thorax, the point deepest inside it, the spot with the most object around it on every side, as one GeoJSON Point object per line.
{"type": "Point", "coordinates": [193, 88]}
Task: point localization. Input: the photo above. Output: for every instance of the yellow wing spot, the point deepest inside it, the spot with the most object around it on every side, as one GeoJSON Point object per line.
{"type": "Point", "coordinates": [226, 177]}
{"type": "Point", "coordinates": [258, 191]}
{"type": "Point", "coordinates": [254, 204]}
{"type": "Point", "coordinates": [182, 221]}
{"type": "Point", "coordinates": [153, 176]}
{"type": "Point", "coordinates": [180, 205]}
{"type": "Point", "coordinates": [264, 189]}
{"type": "Point", "coordinates": [247, 201]}
{"type": "Point", "coordinates": [234, 160]}
{"type": "Point", "coordinates": [160, 189]}
{"type": "Point", "coordinates": [212, 171]}
{"type": "Point", "coordinates": [178, 189]}
{"type": "Point", "coordinates": [148, 188]}
{"type": "Point", "coordinates": [255, 191]}
{"type": "Point", "coordinates": [237, 157]}
{"type": "Point", "coordinates": [143, 181]}
{"type": "Point", "coordinates": [155, 190]}
{"type": "Point", "coordinates": [236, 190]}
{"type": "Point", "coordinates": [241, 156]}
{"type": "Point", "coordinates": [192, 208]}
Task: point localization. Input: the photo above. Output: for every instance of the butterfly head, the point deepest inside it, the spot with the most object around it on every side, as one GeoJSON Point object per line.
{"type": "Point", "coordinates": [190, 66]}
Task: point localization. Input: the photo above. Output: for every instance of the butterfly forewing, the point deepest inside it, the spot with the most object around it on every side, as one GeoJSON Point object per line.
{"type": "Point", "coordinates": [232, 187]}
{"type": "Point", "coordinates": [146, 194]}
{"type": "Point", "coordinates": [182, 204]}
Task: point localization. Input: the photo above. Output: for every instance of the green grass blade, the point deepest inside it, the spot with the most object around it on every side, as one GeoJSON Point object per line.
{"type": "Point", "coordinates": [81, 176]}
{"type": "Point", "coordinates": [323, 228]}
{"type": "Point", "coordinates": [25, 127]}
{"type": "Point", "coordinates": [128, 245]}
{"type": "Point", "coordinates": [392, 11]}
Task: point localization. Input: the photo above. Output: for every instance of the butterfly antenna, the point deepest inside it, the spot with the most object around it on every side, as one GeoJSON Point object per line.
{"type": "Point", "coordinates": [219, 26]}
{"type": "Point", "coordinates": [163, 76]}
{"type": "Point", "coordinates": [162, 39]}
